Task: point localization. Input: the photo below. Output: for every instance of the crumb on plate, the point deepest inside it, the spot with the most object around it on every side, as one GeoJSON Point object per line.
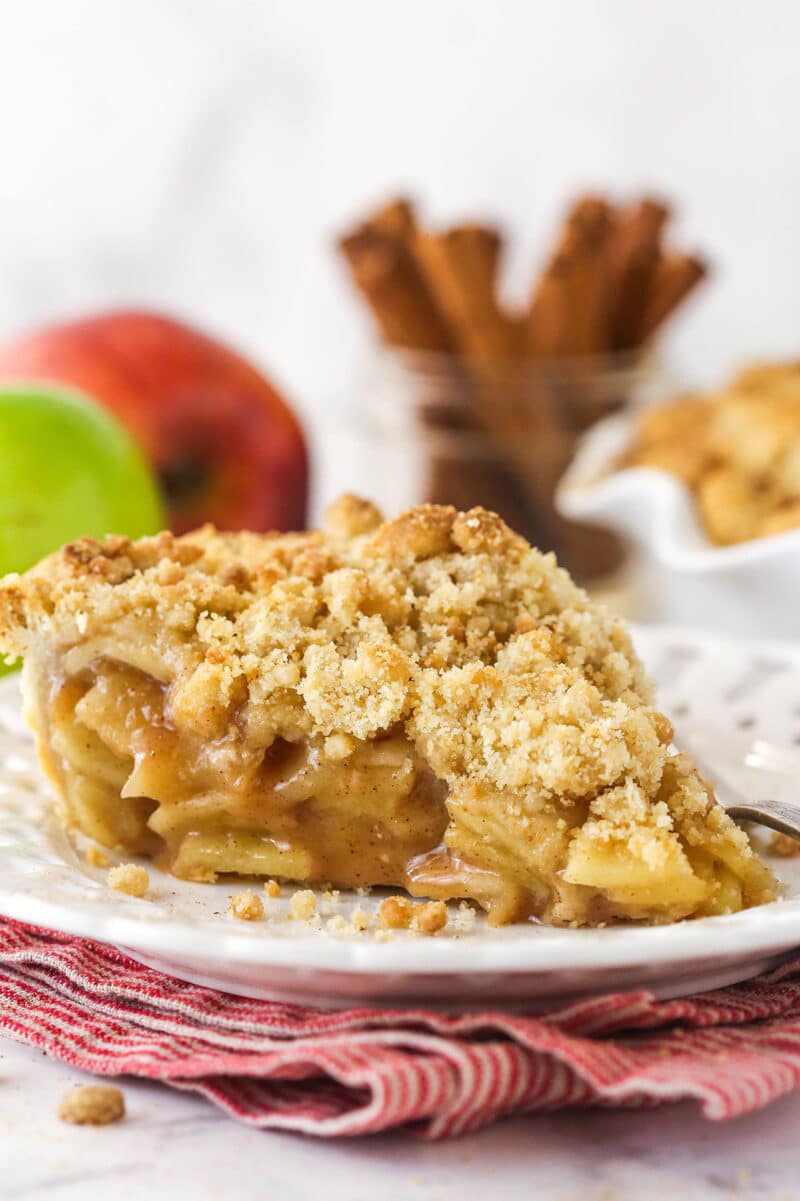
{"type": "Point", "coordinates": [272, 888]}
{"type": "Point", "coordinates": [394, 913]}
{"type": "Point", "coordinates": [129, 878]}
{"type": "Point", "coordinates": [359, 920]}
{"type": "Point", "coordinates": [430, 917]}
{"type": "Point", "coordinates": [247, 907]}
{"type": "Point", "coordinates": [303, 905]}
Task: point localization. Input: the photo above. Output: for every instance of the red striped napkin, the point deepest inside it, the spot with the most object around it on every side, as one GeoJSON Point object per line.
{"type": "Point", "coordinates": [358, 1071]}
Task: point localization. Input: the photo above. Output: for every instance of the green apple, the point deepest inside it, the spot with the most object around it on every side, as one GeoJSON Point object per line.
{"type": "Point", "coordinates": [67, 469]}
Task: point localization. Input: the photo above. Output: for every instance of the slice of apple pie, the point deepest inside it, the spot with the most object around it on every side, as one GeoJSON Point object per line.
{"type": "Point", "coordinates": [427, 702]}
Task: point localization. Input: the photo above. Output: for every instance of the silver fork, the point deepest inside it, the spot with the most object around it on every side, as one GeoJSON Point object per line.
{"type": "Point", "coordinates": [783, 816]}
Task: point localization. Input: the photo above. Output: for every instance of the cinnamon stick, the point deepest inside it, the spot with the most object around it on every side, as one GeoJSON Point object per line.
{"type": "Point", "coordinates": [568, 310]}
{"type": "Point", "coordinates": [633, 256]}
{"type": "Point", "coordinates": [549, 313]}
{"type": "Point", "coordinates": [460, 266]}
{"type": "Point", "coordinates": [386, 273]}
{"type": "Point", "coordinates": [588, 228]}
{"type": "Point", "coordinates": [396, 218]}
{"type": "Point", "coordinates": [674, 278]}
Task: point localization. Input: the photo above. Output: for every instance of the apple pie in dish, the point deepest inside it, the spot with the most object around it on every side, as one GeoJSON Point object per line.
{"type": "Point", "coordinates": [427, 702]}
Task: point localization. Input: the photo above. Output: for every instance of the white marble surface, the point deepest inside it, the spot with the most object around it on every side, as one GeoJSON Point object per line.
{"type": "Point", "coordinates": [172, 1147]}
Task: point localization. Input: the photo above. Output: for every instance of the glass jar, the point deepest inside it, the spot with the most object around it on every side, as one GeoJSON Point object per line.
{"type": "Point", "coordinates": [431, 427]}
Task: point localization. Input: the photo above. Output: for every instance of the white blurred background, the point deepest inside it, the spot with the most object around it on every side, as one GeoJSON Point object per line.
{"type": "Point", "coordinates": [199, 156]}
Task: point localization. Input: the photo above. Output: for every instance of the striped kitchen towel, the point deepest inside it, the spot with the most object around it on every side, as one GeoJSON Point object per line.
{"type": "Point", "coordinates": [359, 1071]}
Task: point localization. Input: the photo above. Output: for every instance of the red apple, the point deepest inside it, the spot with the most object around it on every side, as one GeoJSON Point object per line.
{"type": "Point", "coordinates": [225, 445]}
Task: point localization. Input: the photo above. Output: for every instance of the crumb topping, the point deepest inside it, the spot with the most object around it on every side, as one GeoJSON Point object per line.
{"type": "Point", "coordinates": [497, 663]}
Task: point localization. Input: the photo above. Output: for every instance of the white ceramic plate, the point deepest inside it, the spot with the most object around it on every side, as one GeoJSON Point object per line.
{"type": "Point", "coordinates": [722, 693]}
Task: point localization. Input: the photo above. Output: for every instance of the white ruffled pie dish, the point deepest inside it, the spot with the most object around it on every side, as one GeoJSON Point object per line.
{"type": "Point", "coordinates": [675, 573]}
{"type": "Point", "coordinates": [723, 694]}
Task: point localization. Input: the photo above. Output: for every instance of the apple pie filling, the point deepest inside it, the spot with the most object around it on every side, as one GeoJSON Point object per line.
{"type": "Point", "coordinates": [353, 813]}
{"type": "Point", "coordinates": [427, 703]}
